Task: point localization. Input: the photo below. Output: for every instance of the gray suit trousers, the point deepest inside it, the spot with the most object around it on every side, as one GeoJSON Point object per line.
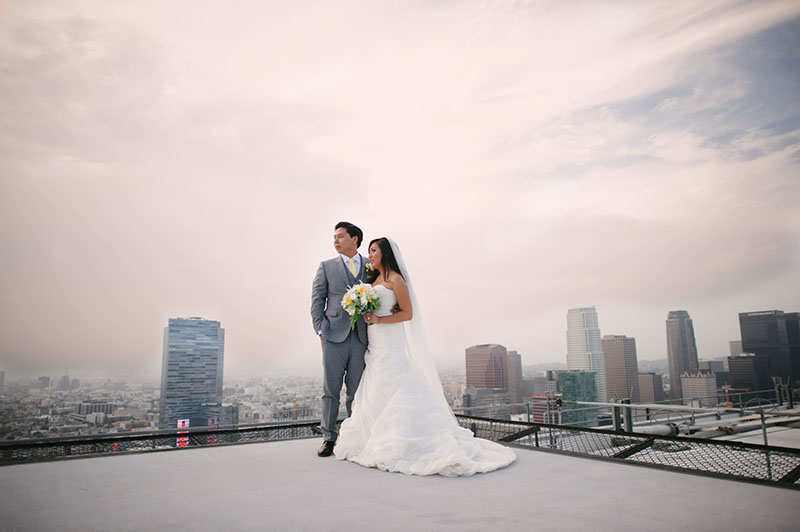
{"type": "Point", "coordinates": [341, 361]}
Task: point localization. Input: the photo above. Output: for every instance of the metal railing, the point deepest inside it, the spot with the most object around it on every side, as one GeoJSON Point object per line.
{"type": "Point", "coordinates": [734, 460]}
{"type": "Point", "coordinates": [675, 413]}
{"type": "Point", "coordinates": [727, 459]}
{"type": "Point", "coordinates": [43, 449]}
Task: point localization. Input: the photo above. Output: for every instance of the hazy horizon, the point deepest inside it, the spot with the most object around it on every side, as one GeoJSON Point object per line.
{"type": "Point", "coordinates": [527, 157]}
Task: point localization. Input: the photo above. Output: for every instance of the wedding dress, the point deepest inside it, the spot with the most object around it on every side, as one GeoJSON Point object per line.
{"type": "Point", "coordinates": [400, 420]}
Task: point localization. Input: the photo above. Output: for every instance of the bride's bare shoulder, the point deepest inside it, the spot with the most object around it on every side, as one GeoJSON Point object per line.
{"type": "Point", "coordinates": [395, 280]}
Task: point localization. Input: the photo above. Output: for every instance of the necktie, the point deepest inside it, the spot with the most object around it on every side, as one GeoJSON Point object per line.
{"type": "Point", "coordinates": [353, 267]}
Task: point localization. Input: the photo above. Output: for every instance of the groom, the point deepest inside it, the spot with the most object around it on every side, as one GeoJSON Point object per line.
{"type": "Point", "coordinates": [342, 349]}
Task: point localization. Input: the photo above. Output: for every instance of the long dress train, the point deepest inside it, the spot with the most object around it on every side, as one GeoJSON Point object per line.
{"type": "Point", "coordinates": [398, 421]}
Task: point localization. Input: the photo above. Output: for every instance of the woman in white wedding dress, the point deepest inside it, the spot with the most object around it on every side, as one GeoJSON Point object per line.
{"type": "Point", "coordinates": [400, 419]}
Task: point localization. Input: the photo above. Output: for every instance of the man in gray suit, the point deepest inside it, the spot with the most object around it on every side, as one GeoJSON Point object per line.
{"type": "Point", "coordinates": [342, 348]}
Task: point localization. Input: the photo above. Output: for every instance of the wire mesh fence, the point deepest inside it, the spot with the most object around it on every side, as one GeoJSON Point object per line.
{"type": "Point", "coordinates": [720, 458]}
{"type": "Point", "coordinates": [69, 447]}
{"type": "Point", "coordinates": [736, 460]}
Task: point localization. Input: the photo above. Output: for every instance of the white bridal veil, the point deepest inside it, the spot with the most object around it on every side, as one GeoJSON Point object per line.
{"type": "Point", "coordinates": [417, 350]}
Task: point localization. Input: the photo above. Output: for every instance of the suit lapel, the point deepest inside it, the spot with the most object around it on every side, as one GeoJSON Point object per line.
{"type": "Point", "coordinates": [347, 277]}
{"type": "Point", "coordinates": [362, 270]}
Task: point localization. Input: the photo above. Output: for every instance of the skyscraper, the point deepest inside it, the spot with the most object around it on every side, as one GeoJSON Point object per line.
{"type": "Point", "coordinates": [487, 366]}
{"type": "Point", "coordinates": [578, 385]}
{"type": "Point", "coordinates": [793, 336]}
{"type": "Point", "coordinates": [622, 368]}
{"type": "Point", "coordinates": [584, 346]}
{"type": "Point", "coordinates": [750, 372]}
{"type": "Point", "coordinates": [651, 389]}
{"type": "Point", "coordinates": [191, 373]}
{"type": "Point", "coordinates": [765, 333]}
{"type": "Point", "coordinates": [514, 366]}
{"type": "Point", "coordinates": [487, 381]}
{"type": "Point", "coordinates": [681, 349]}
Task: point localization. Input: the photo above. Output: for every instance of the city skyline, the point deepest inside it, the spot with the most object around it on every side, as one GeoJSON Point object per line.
{"type": "Point", "coordinates": [527, 158]}
{"type": "Point", "coordinates": [156, 372]}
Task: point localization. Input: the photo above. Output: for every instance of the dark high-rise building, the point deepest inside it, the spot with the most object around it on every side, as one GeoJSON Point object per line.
{"type": "Point", "coordinates": [651, 389]}
{"type": "Point", "coordinates": [191, 373]}
{"type": "Point", "coordinates": [681, 349]}
{"type": "Point", "coordinates": [44, 382]}
{"type": "Point", "coordinates": [515, 385]}
{"type": "Point", "coordinates": [765, 333]}
{"type": "Point", "coordinates": [487, 366]}
{"type": "Point", "coordinates": [750, 373]}
{"type": "Point", "coordinates": [622, 368]}
{"type": "Point", "coordinates": [793, 336]}
{"type": "Point", "coordinates": [578, 385]}
{"type": "Point", "coordinates": [2, 379]}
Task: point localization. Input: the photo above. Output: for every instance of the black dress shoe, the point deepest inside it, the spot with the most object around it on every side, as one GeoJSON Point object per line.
{"type": "Point", "coordinates": [326, 449]}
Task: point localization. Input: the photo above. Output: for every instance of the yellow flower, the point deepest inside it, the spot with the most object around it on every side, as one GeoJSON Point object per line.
{"type": "Point", "coordinates": [362, 289]}
{"type": "Point", "coordinates": [348, 301]}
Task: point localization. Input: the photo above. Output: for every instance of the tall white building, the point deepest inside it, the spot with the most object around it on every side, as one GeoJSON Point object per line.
{"type": "Point", "coordinates": [585, 347]}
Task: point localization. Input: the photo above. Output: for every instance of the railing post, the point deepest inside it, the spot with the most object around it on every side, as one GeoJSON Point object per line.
{"type": "Point", "coordinates": [628, 416]}
{"type": "Point", "coordinates": [789, 398]}
{"type": "Point", "coordinates": [766, 451]}
{"type": "Point", "coordinates": [615, 418]}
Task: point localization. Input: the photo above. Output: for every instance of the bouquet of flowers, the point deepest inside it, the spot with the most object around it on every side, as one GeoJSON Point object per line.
{"type": "Point", "coordinates": [358, 300]}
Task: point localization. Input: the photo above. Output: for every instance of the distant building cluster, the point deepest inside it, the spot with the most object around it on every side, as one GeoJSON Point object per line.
{"type": "Point", "coordinates": [605, 369]}
{"type": "Point", "coordinates": [600, 369]}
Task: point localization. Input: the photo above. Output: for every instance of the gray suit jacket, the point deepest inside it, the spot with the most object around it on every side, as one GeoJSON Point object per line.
{"type": "Point", "coordinates": [330, 283]}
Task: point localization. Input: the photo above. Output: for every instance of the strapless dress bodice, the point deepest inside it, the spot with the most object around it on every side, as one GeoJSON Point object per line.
{"type": "Point", "coordinates": [388, 300]}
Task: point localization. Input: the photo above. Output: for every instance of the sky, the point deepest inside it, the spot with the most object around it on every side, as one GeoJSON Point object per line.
{"type": "Point", "coordinates": [166, 159]}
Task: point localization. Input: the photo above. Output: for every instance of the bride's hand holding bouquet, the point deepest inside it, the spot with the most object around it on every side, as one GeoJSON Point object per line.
{"type": "Point", "coordinates": [359, 300]}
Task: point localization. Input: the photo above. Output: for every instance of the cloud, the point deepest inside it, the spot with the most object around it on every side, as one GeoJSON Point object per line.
{"type": "Point", "coordinates": [529, 157]}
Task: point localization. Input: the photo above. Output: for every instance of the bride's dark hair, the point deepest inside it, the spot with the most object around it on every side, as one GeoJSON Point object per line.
{"type": "Point", "coordinates": [388, 261]}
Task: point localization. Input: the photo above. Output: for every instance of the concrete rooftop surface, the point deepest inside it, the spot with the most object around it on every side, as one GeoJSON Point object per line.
{"type": "Point", "coordinates": [284, 486]}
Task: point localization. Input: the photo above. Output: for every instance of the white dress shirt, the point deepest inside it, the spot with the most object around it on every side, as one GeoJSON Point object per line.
{"type": "Point", "coordinates": [357, 260]}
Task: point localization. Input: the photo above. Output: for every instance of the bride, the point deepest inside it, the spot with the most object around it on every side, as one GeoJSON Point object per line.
{"type": "Point", "coordinates": [400, 419]}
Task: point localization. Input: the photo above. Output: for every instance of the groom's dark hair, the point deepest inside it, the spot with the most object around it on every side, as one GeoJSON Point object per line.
{"type": "Point", "coordinates": [352, 230]}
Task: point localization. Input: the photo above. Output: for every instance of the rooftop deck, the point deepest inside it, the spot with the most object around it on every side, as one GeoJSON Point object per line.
{"type": "Point", "coordinates": [283, 485]}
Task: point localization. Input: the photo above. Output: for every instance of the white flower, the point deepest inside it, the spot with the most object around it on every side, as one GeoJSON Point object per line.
{"type": "Point", "coordinates": [358, 300]}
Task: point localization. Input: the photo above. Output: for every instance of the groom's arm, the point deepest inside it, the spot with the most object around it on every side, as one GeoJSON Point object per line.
{"type": "Point", "coordinates": [319, 294]}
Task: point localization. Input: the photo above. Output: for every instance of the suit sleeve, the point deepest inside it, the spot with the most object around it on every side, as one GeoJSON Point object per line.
{"type": "Point", "coordinates": [319, 295]}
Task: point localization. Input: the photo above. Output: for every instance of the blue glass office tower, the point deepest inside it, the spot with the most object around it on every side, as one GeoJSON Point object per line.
{"type": "Point", "coordinates": [191, 373]}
